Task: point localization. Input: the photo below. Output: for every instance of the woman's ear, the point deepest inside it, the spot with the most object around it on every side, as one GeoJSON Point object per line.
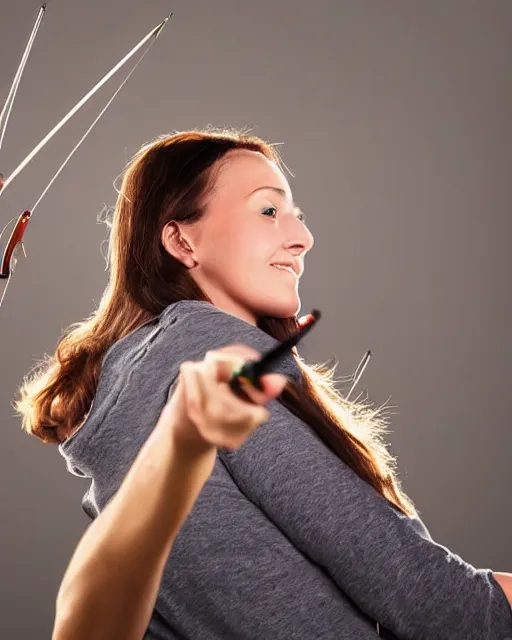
{"type": "Point", "coordinates": [175, 243]}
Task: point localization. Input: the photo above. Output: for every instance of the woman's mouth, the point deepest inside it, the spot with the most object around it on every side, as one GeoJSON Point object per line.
{"type": "Point", "coordinates": [284, 267]}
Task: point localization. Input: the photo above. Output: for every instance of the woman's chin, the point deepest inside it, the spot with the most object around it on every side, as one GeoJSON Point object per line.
{"type": "Point", "coordinates": [281, 308]}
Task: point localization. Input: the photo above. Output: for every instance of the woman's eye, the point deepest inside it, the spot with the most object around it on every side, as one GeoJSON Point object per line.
{"type": "Point", "coordinates": [271, 212]}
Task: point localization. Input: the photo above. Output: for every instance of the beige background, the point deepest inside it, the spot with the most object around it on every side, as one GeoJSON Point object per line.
{"type": "Point", "coordinates": [396, 122]}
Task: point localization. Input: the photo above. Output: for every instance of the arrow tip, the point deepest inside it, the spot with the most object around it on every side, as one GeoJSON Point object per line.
{"type": "Point", "coordinates": [162, 25]}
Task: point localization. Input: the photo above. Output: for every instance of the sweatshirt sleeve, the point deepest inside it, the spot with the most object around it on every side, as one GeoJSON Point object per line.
{"type": "Point", "coordinates": [383, 560]}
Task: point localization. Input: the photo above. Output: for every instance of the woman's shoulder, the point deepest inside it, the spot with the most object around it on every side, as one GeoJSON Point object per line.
{"type": "Point", "coordinates": [190, 328]}
{"type": "Point", "coordinates": [199, 311]}
{"type": "Point", "coordinates": [198, 322]}
{"type": "Point", "coordinates": [185, 330]}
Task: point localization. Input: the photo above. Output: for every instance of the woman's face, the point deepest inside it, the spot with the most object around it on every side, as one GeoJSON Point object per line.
{"type": "Point", "coordinates": [250, 226]}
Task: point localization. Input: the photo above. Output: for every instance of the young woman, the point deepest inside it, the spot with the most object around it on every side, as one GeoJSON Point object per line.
{"type": "Point", "coordinates": [303, 531]}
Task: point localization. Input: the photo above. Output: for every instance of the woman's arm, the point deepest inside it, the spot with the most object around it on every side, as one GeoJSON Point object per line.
{"type": "Point", "coordinates": [110, 586]}
{"type": "Point", "coordinates": [385, 561]}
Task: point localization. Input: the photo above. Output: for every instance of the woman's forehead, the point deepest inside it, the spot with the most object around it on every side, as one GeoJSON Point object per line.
{"type": "Point", "coordinates": [246, 171]}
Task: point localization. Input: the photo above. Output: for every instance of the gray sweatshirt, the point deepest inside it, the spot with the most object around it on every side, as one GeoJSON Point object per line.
{"type": "Point", "coordinates": [285, 541]}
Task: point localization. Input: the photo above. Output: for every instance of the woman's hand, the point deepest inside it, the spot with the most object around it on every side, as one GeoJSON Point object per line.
{"type": "Point", "coordinates": [204, 413]}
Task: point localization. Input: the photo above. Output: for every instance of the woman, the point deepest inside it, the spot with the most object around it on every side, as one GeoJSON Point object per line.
{"type": "Point", "coordinates": [304, 530]}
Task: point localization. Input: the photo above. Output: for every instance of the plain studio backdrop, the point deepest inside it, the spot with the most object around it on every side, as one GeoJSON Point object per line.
{"type": "Point", "coordinates": [395, 119]}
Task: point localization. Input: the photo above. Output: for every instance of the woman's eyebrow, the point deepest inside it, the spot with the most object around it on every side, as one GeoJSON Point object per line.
{"type": "Point", "coordinates": [278, 190]}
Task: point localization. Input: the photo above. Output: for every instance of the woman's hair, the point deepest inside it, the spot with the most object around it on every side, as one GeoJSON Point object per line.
{"type": "Point", "coordinates": [168, 180]}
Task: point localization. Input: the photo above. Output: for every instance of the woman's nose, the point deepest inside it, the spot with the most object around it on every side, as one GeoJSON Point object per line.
{"type": "Point", "coordinates": [300, 238]}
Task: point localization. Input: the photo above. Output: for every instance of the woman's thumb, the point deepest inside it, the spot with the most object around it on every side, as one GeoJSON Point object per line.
{"type": "Point", "coordinates": [273, 384]}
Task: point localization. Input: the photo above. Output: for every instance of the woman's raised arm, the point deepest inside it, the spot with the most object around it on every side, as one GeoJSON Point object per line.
{"type": "Point", "coordinates": [111, 584]}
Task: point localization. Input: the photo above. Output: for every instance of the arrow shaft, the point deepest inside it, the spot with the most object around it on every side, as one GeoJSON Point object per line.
{"type": "Point", "coordinates": [79, 105]}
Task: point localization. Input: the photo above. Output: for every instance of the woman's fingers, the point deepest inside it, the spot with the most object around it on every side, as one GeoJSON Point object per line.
{"type": "Point", "coordinates": [192, 390]}
{"type": "Point", "coordinates": [223, 403]}
{"type": "Point", "coordinates": [208, 412]}
{"type": "Point", "coordinates": [229, 359]}
{"type": "Point", "coordinates": [273, 384]}
{"type": "Point", "coordinates": [224, 362]}
{"type": "Point", "coordinates": [185, 410]}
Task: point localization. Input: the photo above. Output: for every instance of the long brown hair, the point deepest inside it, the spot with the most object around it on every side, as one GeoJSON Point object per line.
{"type": "Point", "coordinates": [168, 180]}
